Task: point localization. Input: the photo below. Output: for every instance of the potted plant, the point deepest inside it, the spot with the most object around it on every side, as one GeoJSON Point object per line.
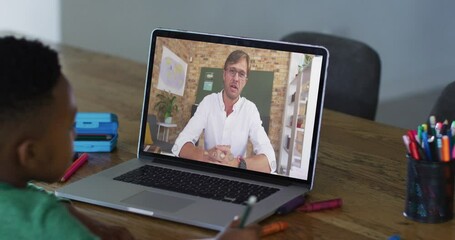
{"type": "Point", "coordinates": [166, 105]}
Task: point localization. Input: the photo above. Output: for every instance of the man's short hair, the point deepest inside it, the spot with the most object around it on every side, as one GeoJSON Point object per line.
{"type": "Point", "coordinates": [235, 56]}
{"type": "Point", "coordinates": [28, 73]}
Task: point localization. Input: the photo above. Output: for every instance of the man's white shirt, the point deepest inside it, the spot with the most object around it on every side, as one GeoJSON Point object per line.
{"type": "Point", "coordinates": [242, 124]}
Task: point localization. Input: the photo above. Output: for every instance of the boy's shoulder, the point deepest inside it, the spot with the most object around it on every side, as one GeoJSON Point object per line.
{"type": "Point", "coordinates": [31, 202]}
{"type": "Point", "coordinates": [38, 211]}
{"type": "Point", "coordinates": [28, 196]}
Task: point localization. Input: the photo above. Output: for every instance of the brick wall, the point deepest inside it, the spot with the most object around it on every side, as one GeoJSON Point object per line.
{"type": "Point", "coordinates": [199, 55]}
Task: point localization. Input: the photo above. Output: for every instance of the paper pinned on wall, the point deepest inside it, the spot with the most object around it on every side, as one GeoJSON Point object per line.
{"type": "Point", "coordinates": [172, 76]}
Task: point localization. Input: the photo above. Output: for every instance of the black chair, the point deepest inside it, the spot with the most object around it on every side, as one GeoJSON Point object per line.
{"type": "Point", "coordinates": [353, 76]}
{"type": "Point", "coordinates": [164, 146]}
{"type": "Point", "coordinates": [444, 107]}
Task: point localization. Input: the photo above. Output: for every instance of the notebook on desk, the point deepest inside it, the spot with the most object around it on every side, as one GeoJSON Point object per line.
{"type": "Point", "coordinates": [265, 145]}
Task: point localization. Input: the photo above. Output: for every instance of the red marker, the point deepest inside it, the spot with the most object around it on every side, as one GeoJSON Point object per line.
{"type": "Point", "coordinates": [317, 206]}
{"type": "Point", "coordinates": [413, 145]}
{"type": "Point", "coordinates": [74, 167]}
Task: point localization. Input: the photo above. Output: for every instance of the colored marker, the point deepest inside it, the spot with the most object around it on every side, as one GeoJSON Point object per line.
{"type": "Point", "coordinates": [246, 213]}
{"type": "Point", "coordinates": [413, 145]}
{"type": "Point", "coordinates": [394, 237]}
{"type": "Point", "coordinates": [412, 135]}
{"type": "Point", "coordinates": [274, 228]}
{"type": "Point", "coordinates": [439, 148]}
{"type": "Point", "coordinates": [445, 127]}
{"type": "Point", "coordinates": [291, 205]}
{"type": "Point", "coordinates": [419, 134]}
{"type": "Point", "coordinates": [322, 205]}
{"type": "Point", "coordinates": [445, 149]}
{"type": "Point", "coordinates": [426, 146]}
{"type": "Point", "coordinates": [406, 143]}
{"type": "Point", "coordinates": [432, 125]}
{"type": "Point", "coordinates": [74, 167]}
{"type": "Point", "coordinates": [414, 151]}
{"type": "Point", "coordinates": [425, 127]}
{"type": "Point", "coordinates": [438, 128]}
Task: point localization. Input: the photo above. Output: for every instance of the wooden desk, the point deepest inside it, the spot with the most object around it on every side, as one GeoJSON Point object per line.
{"type": "Point", "coordinates": [362, 162]}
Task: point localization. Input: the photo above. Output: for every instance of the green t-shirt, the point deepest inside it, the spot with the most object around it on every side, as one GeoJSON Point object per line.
{"type": "Point", "coordinates": [32, 213]}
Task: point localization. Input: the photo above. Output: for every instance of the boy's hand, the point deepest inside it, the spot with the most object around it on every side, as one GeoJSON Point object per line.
{"type": "Point", "coordinates": [100, 229]}
{"type": "Point", "coordinates": [111, 232]}
{"type": "Point", "coordinates": [234, 232]}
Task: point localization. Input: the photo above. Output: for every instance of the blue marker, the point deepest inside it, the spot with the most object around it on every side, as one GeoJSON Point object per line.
{"type": "Point", "coordinates": [394, 237]}
{"type": "Point", "coordinates": [426, 146]}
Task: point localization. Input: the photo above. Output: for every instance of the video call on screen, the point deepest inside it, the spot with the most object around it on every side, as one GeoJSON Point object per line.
{"type": "Point", "coordinates": [283, 86]}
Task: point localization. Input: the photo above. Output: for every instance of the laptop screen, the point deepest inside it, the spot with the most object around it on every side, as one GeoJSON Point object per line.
{"type": "Point", "coordinates": [247, 104]}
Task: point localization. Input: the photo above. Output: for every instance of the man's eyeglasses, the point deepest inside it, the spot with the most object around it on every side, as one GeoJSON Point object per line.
{"type": "Point", "coordinates": [232, 72]}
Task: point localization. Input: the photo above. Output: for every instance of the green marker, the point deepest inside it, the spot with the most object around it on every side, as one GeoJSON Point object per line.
{"type": "Point", "coordinates": [249, 205]}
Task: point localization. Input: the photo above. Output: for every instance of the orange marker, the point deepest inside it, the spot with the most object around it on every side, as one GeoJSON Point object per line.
{"type": "Point", "coordinates": [445, 149]}
{"type": "Point", "coordinates": [74, 167]}
{"type": "Point", "coordinates": [274, 228]}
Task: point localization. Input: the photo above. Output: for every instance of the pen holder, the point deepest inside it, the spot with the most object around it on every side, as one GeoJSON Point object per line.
{"type": "Point", "coordinates": [429, 191]}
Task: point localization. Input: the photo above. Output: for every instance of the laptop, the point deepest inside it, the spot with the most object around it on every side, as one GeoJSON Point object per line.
{"type": "Point", "coordinates": [284, 89]}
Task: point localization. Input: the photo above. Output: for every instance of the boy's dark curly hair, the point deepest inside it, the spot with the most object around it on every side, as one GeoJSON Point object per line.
{"type": "Point", "coordinates": [29, 71]}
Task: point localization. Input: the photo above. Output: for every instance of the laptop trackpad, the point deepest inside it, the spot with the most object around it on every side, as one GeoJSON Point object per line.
{"type": "Point", "coordinates": [157, 201]}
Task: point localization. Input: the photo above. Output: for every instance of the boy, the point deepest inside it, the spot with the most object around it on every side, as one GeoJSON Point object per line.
{"type": "Point", "coordinates": [37, 111]}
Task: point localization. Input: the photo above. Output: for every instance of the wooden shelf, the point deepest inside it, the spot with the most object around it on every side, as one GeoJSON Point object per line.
{"type": "Point", "coordinates": [294, 115]}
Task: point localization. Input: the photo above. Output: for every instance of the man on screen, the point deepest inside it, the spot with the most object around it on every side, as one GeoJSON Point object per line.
{"type": "Point", "coordinates": [228, 121]}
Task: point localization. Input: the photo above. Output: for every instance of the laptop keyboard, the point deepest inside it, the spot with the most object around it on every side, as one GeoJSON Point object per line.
{"type": "Point", "coordinates": [195, 184]}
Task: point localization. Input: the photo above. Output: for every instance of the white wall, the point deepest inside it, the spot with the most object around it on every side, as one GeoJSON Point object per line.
{"type": "Point", "coordinates": [414, 38]}
{"type": "Point", "coordinates": [40, 19]}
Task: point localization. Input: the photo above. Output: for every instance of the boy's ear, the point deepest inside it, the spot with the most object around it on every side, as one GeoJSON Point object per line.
{"type": "Point", "coordinates": [26, 153]}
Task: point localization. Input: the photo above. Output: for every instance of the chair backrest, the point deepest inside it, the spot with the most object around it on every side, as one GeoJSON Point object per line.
{"type": "Point", "coordinates": [444, 107]}
{"type": "Point", "coordinates": [152, 120]}
{"type": "Point", "coordinates": [164, 146]}
{"type": "Point", "coordinates": [353, 76]}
